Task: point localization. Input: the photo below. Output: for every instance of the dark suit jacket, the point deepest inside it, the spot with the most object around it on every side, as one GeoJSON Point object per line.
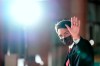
{"type": "Point", "coordinates": [81, 54]}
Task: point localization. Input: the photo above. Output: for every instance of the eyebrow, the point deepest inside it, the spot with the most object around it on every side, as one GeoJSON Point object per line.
{"type": "Point", "coordinates": [64, 33]}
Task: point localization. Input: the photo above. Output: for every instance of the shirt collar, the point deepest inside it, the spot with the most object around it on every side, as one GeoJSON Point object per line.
{"type": "Point", "coordinates": [71, 46]}
{"type": "Point", "coordinates": [74, 42]}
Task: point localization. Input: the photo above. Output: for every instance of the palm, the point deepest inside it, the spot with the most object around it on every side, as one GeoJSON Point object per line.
{"type": "Point", "coordinates": [75, 27]}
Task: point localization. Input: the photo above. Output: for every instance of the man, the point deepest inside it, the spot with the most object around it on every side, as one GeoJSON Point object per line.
{"type": "Point", "coordinates": [81, 51]}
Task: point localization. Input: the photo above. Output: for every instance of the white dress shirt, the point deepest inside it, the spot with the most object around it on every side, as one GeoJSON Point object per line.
{"type": "Point", "coordinates": [74, 42]}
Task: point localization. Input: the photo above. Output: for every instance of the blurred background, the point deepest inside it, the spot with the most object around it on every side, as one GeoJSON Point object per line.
{"type": "Point", "coordinates": [27, 35]}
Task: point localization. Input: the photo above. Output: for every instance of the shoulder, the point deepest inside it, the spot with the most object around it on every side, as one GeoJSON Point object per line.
{"type": "Point", "coordinates": [83, 42]}
{"type": "Point", "coordinates": [84, 45]}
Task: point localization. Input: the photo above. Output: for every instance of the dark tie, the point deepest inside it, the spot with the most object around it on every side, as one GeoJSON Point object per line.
{"type": "Point", "coordinates": [68, 61]}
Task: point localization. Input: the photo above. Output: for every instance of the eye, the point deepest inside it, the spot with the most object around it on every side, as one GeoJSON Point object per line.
{"type": "Point", "coordinates": [66, 33]}
{"type": "Point", "coordinates": [60, 35]}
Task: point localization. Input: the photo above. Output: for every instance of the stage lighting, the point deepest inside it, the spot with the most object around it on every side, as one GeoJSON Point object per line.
{"type": "Point", "coordinates": [23, 13]}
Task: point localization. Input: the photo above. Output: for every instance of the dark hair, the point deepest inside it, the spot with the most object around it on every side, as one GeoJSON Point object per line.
{"type": "Point", "coordinates": [62, 24]}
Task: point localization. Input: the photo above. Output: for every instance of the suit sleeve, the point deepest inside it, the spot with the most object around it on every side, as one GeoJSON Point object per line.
{"type": "Point", "coordinates": [86, 52]}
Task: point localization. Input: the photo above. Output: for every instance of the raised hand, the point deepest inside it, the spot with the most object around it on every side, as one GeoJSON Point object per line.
{"type": "Point", "coordinates": [75, 28]}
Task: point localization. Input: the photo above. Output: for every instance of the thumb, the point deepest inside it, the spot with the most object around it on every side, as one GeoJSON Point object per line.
{"type": "Point", "coordinates": [69, 29]}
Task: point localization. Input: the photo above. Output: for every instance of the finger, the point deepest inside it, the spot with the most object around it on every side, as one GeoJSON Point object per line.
{"type": "Point", "coordinates": [74, 20]}
{"type": "Point", "coordinates": [71, 22]}
{"type": "Point", "coordinates": [79, 23]}
{"type": "Point", "coordinates": [69, 29]}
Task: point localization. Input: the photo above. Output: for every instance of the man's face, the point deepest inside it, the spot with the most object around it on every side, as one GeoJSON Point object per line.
{"type": "Point", "coordinates": [63, 33]}
{"type": "Point", "coordinates": [65, 36]}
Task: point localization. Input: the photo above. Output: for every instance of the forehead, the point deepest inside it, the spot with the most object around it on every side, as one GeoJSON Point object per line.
{"type": "Point", "coordinates": [62, 30]}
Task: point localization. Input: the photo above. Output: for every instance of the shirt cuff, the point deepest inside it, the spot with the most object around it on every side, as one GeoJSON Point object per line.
{"type": "Point", "coordinates": [76, 41]}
